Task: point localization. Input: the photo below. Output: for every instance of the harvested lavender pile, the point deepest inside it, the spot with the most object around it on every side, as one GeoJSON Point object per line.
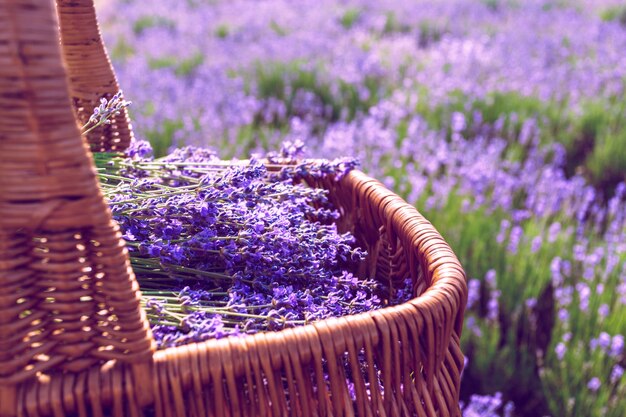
{"type": "Point", "coordinates": [222, 249]}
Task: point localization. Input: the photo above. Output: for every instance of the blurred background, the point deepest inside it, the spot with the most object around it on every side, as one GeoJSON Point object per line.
{"type": "Point", "coordinates": [503, 121]}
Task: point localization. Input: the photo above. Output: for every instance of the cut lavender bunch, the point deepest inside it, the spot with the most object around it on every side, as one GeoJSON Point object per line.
{"type": "Point", "coordinates": [225, 248]}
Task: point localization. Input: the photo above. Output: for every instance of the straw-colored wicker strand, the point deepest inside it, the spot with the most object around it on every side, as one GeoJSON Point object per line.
{"type": "Point", "coordinates": [90, 73]}
{"type": "Point", "coordinates": [69, 299]}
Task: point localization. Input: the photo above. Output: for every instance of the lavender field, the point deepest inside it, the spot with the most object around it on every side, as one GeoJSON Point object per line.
{"type": "Point", "coordinates": [503, 121]}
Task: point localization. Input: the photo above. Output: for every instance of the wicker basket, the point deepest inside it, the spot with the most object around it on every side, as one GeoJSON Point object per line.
{"type": "Point", "coordinates": [73, 338]}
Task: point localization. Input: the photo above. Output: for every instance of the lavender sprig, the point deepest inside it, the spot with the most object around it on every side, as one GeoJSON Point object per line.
{"type": "Point", "coordinates": [107, 109]}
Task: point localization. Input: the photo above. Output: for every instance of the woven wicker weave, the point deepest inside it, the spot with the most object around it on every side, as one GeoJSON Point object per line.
{"type": "Point", "coordinates": [90, 73]}
{"type": "Point", "coordinates": [74, 340]}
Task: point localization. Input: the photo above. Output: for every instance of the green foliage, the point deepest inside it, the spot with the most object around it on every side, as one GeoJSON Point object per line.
{"type": "Point", "coordinates": [493, 5]}
{"type": "Point", "coordinates": [393, 25]}
{"type": "Point", "coordinates": [510, 107]}
{"type": "Point", "coordinates": [222, 31]}
{"type": "Point", "coordinates": [596, 142]}
{"type": "Point", "coordinates": [431, 32]}
{"type": "Point", "coordinates": [186, 66]}
{"type": "Point", "coordinates": [181, 67]}
{"type": "Point", "coordinates": [350, 17]}
{"type": "Point", "coordinates": [607, 162]}
{"type": "Point", "coordinates": [615, 13]}
{"type": "Point", "coordinates": [279, 30]}
{"type": "Point", "coordinates": [162, 62]}
{"type": "Point", "coordinates": [283, 81]}
{"type": "Point", "coordinates": [162, 139]}
{"type": "Point", "coordinates": [147, 22]}
{"type": "Point", "coordinates": [594, 137]}
{"type": "Point", "coordinates": [557, 4]}
{"type": "Point", "coordinates": [122, 50]}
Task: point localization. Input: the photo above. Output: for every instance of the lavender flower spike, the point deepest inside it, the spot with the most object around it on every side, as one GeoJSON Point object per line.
{"type": "Point", "coordinates": [107, 108]}
{"type": "Point", "coordinates": [594, 384]}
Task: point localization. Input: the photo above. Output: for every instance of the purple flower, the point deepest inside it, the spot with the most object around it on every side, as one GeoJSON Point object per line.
{"type": "Point", "coordinates": [584, 292]}
{"type": "Point", "coordinates": [485, 406]}
{"type": "Point", "coordinates": [504, 228]}
{"type": "Point", "coordinates": [555, 269]}
{"type": "Point", "coordinates": [472, 326]}
{"type": "Point", "coordinates": [579, 252]}
{"type": "Point", "coordinates": [553, 232]}
{"type": "Point", "coordinates": [509, 409]}
{"type": "Point", "coordinates": [514, 238]}
{"type": "Point", "coordinates": [616, 374]}
{"type": "Point", "coordinates": [617, 346]}
{"type": "Point", "coordinates": [108, 108]}
{"type": "Point", "coordinates": [492, 306]}
{"type": "Point", "coordinates": [589, 272]}
{"type": "Point", "coordinates": [594, 384]}
{"type": "Point", "coordinates": [560, 350]}
{"type": "Point", "coordinates": [600, 289]}
{"type": "Point", "coordinates": [473, 292]}
{"type": "Point", "coordinates": [490, 279]}
{"type": "Point", "coordinates": [603, 311]}
{"type": "Point", "coordinates": [458, 122]}
{"type": "Point", "coordinates": [139, 149]}
{"type": "Point", "coordinates": [535, 244]}
{"type": "Point", "coordinates": [604, 340]}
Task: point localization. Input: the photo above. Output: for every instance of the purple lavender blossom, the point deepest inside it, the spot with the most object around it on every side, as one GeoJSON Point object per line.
{"type": "Point", "coordinates": [531, 303]}
{"type": "Point", "coordinates": [617, 346]}
{"type": "Point", "coordinates": [490, 279]}
{"type": "Point", "coordinates": [493, 306]}
{"type": "Point", "coordinates": [514, 238]}
{"type": "Point", "coordinates": [560, 350]}
{"type": "Point", "coordinates": [486, 406]}
{"type": "Point", "coordinates": [473, 326]}
{"type": "Point", "coordinates": [584, 292]}
{"type": "Point", "coordinates": [555, 268]}
{"type": "Point", "coordinates": [473, 292]}
{"type": "Point", "coordinates": [504, 228]}
{"type": "Point", "coordinates": [594, 384]}
{"type": "Point", "coordinates": [139, 149]}
{"type": "Point", "coordinates": [553, 232]}
{"type": "Point", "coordinates": [604, 340]}
{"type": "Point", "coordinates": [245, 251]}
{"type": "Point", "coordinates": [458, 122]}
{"type": "Point", "coordinates": [603, 311]}
{"type": "Point", "coordinates": [616, 374]}
{"type": "Point", "coordinates": [536, 244]}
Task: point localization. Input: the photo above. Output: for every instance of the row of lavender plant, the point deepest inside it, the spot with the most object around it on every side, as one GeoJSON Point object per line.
{"type": "Point", "coordinates": [503, 121]}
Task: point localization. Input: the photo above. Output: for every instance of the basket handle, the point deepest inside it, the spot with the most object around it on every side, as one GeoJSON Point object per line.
{"type": "Point", "coordinates": [68, 298]}
{"type": "Point", "coordinates": [91, 75]}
